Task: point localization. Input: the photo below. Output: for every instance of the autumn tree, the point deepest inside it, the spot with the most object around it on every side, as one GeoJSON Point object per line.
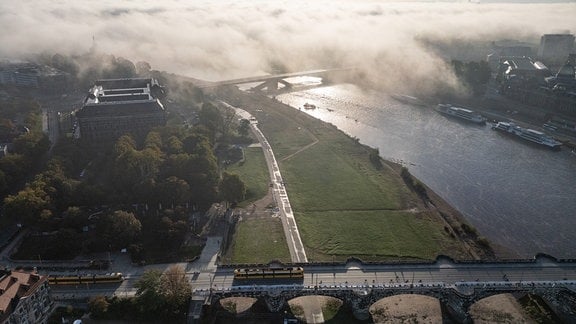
{"type": "Point", "coordinates": [118, 229]}
{"type": "Point", "coordinates": [232, 188]}
{"type": "Point", "coordinates": [164, 295]}
{"type": "Point", "coordinates": [26, 205]}
{"type": "Point", "coordinates": [176, 289]}
{"type": "Point", "coordinates": [98, 306]}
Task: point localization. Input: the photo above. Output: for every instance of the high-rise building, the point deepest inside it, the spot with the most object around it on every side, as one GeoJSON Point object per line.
{"type": "Point", "coordinates": [115, 107]}
{"type": "Point", "coordinates": [555, 48]}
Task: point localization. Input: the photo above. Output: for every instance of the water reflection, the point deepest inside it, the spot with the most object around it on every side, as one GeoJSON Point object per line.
{"type": "Point", "coordinates": [517, 195]}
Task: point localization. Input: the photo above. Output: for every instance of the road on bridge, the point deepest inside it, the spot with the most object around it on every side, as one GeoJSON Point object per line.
{"type": "Point", "coordinates": [542, 270]}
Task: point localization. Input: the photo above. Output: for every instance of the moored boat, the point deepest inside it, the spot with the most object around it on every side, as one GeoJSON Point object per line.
{"type": "Point", "coordinates": [309, 106]}
{"type": "Point", "coordinates": [528, 134]}
{"type": "Point", "coordinates": [461, 113]}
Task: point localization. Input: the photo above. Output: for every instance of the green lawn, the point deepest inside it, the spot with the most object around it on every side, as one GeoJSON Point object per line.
{"type": "Point", "coordinates": [285, 136]}
{"type": "Point", "coordinates": [254, 173]}
{"type": "Point", "coordinates": [322, 179]}
{"type": "Point", "coordinates": [259, 240]}
{"type": "Point", "coordinates": [371, 235]}
{"type": "Point", "coordinates": [344, 205]}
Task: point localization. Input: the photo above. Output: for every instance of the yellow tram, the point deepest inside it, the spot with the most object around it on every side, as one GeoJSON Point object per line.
{"type": "Point", "coordinates": [269, 273]}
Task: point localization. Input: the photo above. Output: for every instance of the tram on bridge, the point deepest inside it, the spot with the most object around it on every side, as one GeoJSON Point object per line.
{"type": "Point", "coordinates": [269, 273]}
{"type": "Point", "coordinates": [86, 279]}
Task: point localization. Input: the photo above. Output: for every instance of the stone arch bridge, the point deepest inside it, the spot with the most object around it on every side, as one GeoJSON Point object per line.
{"type": "Point", "coordinates": [455, 299]}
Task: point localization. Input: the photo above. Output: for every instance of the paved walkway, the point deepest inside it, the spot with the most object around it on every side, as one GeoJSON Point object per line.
{"type": "Point", "coordinates": [297, 252]}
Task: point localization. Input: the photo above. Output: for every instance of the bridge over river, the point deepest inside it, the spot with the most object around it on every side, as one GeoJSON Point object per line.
{"type": "Point", "coordinates": [274, 82]}
{"type": "Point", "coordinates": [457, 285]}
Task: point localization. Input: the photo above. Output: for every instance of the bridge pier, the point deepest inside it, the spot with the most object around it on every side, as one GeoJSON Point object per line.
{"type": "Point", "coordinates": [276, 303]}
{"type": "Point", "coordinates": [272, 85]}
{"type": "Point", "coordinates": [454, 303]}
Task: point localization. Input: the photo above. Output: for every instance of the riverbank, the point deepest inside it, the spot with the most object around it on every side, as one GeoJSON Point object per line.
{"type": "Point", "coordinates": [346, 205]}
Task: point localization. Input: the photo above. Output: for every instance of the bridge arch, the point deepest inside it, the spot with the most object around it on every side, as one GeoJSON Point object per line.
{"type": "Point", "coordinates": [497, 307]}
{"type": "Point", "coordinates": [315, 308]}
{"type": "Point", "coordinates": [407, 307]}
{"type": "Point", "coordinates": [455, 301]}
{"type": "Point", "coordinates": [237, 306]}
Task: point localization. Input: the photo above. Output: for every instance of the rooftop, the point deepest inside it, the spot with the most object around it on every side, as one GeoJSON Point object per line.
{"type": "Point", "coordinates": [121, 97]}
{"type": "Point", "coordinates": [15, 285]}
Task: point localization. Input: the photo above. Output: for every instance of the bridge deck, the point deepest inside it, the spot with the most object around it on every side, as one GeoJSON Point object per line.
{"type": "Point", "coordinates": [275, 76]}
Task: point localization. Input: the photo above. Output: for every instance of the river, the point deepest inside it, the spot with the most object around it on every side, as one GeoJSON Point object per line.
{"type": "Point", "coordinates": [517, 195]}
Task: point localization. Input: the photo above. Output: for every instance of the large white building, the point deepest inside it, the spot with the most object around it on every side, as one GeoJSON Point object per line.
{"type": "Point", "coordinates": [115, 107]}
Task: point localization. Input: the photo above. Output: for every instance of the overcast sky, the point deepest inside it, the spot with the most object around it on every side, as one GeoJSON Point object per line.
{"type": "Point", "coordinates": [225, 39]}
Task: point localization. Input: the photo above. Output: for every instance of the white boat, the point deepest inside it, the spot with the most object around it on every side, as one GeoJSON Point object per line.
{"type": "Point", "coordinates": [461, 113]}
{"type": "Point", "coordinates": [528, 134]}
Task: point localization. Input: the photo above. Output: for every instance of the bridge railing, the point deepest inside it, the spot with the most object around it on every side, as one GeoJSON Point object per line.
{"type": "Point", "coordinates": [465, 285]}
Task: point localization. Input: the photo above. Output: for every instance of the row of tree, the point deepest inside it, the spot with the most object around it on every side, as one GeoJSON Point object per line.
{"type": "Point", "coordinates": [171, 167]}
{"type": "Point", "coordinates": [161, 296]}
{"type": "Point", "coordinates": [21, 126]}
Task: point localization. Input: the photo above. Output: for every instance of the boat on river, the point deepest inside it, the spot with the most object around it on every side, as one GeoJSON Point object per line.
{"type": "Point", "coordinates": [309, 106]}
{"type": "Point", "coordinates": [461, 113]}
{"type": "Point", "coordinates": [528, 134]}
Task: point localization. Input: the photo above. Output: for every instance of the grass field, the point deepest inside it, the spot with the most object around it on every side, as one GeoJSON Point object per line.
{"type": "Point", "coordinates": [259, 240]}
{"type": "Point", "coordinates": [321, 178]}
{"type": "Point", "coordinates": [253, 173]}
{"type": "Point", "coordinates": [344, 205]}
{"type": "Point", "coordinates": [372, 235]}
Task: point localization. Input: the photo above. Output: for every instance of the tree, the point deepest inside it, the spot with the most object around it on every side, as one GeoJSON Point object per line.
{"type": "Point", "coordinates": [32, 145]}
{"type": "Point", "coordinates": [148, 294]}
{"type": "Point", "coordinates": [3, 183]}
{"type": "Point", "coordinates": [244, 127]}
{"type": "Point", "coordinates": [119, 228]}
{"type": "Point", "coordinates": [174, 145]}
{"type": "Point", "coordinates": [75, 218]}
{"type": "Point", "coordinates": [98, 306]}
{"type": "Point", "coordinates": [232, 188]}
{"type": "Point", "coordinates": [195, 143]}
{"type": "Point", "coordinates": [153, 141]}
{"type": "Point", "coordinates": [227, 119]}
{"type": "Point", "coordinates": [14, 167]}
{"type": "Point", "coordinates": [25, 207]}
{"type": "Point", "coordinates": [210, 117]}
{"type": "Point", "coordinates": [164, 295]}
{"type": "Point", "coordinates": [174, 191]}
{"type": "Point", "coordinates": [175, 288]}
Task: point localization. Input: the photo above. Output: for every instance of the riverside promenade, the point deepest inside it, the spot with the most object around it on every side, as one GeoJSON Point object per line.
{"type": "Point", "coordinates": [297, 252]}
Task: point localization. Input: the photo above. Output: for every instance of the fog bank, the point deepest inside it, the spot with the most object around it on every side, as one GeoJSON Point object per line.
{"type": "Point", "coordinates": [223, 39]}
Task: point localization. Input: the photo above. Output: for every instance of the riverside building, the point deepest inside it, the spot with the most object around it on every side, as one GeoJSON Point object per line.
{"type": "Point", "coordinates": [115, 107]}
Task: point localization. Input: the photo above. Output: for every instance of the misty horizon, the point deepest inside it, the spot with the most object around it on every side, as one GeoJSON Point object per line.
{"type": "Point", "coordinates": [392, 42]}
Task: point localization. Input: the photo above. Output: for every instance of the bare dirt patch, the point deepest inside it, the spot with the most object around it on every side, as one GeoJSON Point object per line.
{"type": "Point", "coordinates": [502, 308]}
{"type": "Point", "coordinates": [237, 305]}
{"type": "Point", "coordinates": [407, 309]}
{"type": "Point", "coordinates": [310, 309]}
